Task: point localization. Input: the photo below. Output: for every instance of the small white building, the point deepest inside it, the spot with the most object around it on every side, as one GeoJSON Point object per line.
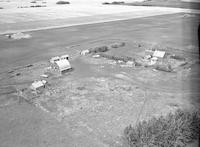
{"type": "Point", "coordinates": [37, 85]}
{"type": "Point", "coordinates": [54, 59]}
{"type": "Point", "coordinates": [63, 65]}
{"type": "Point", "coordinates": [159, 54]}
{"type": "Point", "coordinates": [153, 60]}
{"type": "Point", "coordinates": [64, 57]}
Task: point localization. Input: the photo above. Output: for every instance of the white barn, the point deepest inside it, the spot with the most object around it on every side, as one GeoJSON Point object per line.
{"type": "Point", "coordinates": [61, 63]}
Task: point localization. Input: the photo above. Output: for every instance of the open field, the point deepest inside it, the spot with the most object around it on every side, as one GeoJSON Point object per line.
{"type": "Point", "coordinates": [92, 104]}
{"type": "Point", "coordinates": [29, 19]}
{"type": "Point", "coordinates": [166, 3]}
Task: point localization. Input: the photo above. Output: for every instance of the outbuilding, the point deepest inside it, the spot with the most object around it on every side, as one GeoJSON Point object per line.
{"type": "Point", "coordinates": [63, 65]}
{"type": "Point", "coordinates": [60, 64]}
{"type": "Point", "coordinates": [54, 59]}
{"type": "Point", "coordinates": [37, 85]}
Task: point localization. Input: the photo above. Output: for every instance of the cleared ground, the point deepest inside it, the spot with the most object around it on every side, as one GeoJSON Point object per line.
{"type": "Point", "coordinates": [99, 98]}
{"type": "Point", "coordinates": [29, 19]}
{"type": "Point", "coordinates": [168, 3]}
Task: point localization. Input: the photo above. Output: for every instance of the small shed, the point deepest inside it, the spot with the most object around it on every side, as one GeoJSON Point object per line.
{"type": "Point", "coordinates": [63, 65]}
{"type": "Point", "coordinates": [153, 60]}
{"type": "Point", "coordinates": [149, 52]}
{"type": "Point", "coordinates": [54, 59]}
{"type": "Point", "coordinates": [36, 85]}
{"type": "Point", "coordinates": [64, 57]}
{"type": "Point", "coordinates": [159, 54]}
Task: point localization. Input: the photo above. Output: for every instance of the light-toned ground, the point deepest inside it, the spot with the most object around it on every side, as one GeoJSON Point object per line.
{"type": "Point", "coordinates": [55, 16]}
{"type": "Point", "coordinates": [8, 4]}
{"type": "Point", "coordinates": [96, 100]}
{"type": "Point", "coordinates": [91, 105]}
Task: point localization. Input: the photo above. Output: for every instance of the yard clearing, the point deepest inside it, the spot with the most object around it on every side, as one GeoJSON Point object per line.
{"type": "Point", "coordinates": [95, 101]}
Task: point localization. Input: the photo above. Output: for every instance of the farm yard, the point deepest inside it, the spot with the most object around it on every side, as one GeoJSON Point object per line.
{"type": "Point", "coordinates": [113, 83]}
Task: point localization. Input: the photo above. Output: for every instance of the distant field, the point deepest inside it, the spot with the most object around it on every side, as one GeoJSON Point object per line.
{"type": "Point", "coordinates": [6, 4]}
{"type": "Point", "coordinates": [167, 3]}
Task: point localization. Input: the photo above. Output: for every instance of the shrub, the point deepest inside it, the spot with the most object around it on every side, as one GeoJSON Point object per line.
{"type": "Point", "coordinates": [120, 2]}
{"type": "Point", "coordinates": [1, 7]}
{"type": "Point", "coordinates": [33, 2]}
{"type": "Point", "coordinates": [33, 6]}
{"type": "Point", "coordinates": [99, 49]}
{"type": "Point", "coordinates": [117, 45]}
{"type": "Point", "coordinates": [174, 130]}
{"type": "Point", "coordinates": [177, 57]}
{"type": "Point", "coordinates": [106, 3]}
{"type": "Point", "coordinates": [116, 58]}
{"type": "Point", "coordinates": [164, 67]}
{"type": "Point", "coordinates": [62, 2]}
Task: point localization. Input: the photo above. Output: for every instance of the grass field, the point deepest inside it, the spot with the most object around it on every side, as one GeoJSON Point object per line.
{"type": "Point", "coordinates": [99, 98]}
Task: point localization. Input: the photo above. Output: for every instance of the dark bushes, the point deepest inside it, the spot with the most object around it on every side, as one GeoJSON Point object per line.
{"type": "Point", "coordinates": [37, 6]}
{"type": "Point", "coordinates": [106, 3]}
{"type": "Point", "coordinates": [116, 58]}
{"type": "Point", "coordinates": [99, 49]}
{"type": "Point", "coordinates": [113, 3]}
{"type": "Point", "coordinates": [164, 67]}
{"type": "Point", "coordinates": [177, 57]}
{"type": "Point", "coordinates": [117, 45]}
{"type": "Point", "coordinates": [62, 2]}
{"type": "Point", "coordinates": [174, 130]}
{"type": "Point", "coordinates": [117, 3]}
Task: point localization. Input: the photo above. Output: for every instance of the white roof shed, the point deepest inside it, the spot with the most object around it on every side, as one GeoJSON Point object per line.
{"type": "Point", "coordinates": [63, 65]}
{"type": "Point", "coordinates": [64, 57]}
{"type": "Point", "coordinates": [54, 59]}
{"type": "Point", "coordinates": [38, 84]}
{"type": "Point", "coordinates": [159, 54]}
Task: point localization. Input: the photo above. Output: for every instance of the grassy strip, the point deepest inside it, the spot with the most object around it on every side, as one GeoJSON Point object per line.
{"type": "Point", "coordinates": [174, 130]}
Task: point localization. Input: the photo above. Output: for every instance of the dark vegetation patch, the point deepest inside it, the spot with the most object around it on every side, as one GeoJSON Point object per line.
{"type": "Point", "coordinates": [62, 2]}
{"type": "Point", "coordinates": [117, 58]}
{"type": "Point", "coordinates": [99, 49]}
{"type": "Point", "coordinates": [164, 67]}
{"type": "Point", "coordinates": [117, 45]}
{"type": "Point", "coordinates": [1, 7]}
{"type": "Point", "coordinates": [33, 2]}
{"type": "Point", "coordinates": [114, 3]}
{"type": "Point", "coordinates": [177, 57]}
{"type": "Point", "coordinates": [33, 6]}
{"type": "Point", "coordinates": [177, 129]}
{"type": "Point", "coordinates": [167, 3]}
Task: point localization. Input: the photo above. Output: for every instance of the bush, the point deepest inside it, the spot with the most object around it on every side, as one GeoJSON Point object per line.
{"type": "Point", "coordinates": [177, 57]}
{"type": "Point", "coordinates": [116, 58]}
{"type": "Point", "coordinates": [99, 49]}
{"type": "Point", "coordinates": [117, 45]}
{"type": "Point", "coordinates": [33, 6]}
{"type": "Point", "coordinates": [106, 3]}
{"type": "Point", "coordinates": [62, 2]}
{"type": "Point", "coordinates": [174, 130]}
{"type": "Point", "coordinates": [117, 3]}
{"type": "Point", "coordinates": [1, 7]}
{"type": "Point", "coordinates": [164, 67]}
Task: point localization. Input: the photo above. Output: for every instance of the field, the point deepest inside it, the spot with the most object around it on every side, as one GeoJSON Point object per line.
{"type": "Point", "coordinates": [92, 104]}
{"type": "Point", "coordinates": [167, 3]}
